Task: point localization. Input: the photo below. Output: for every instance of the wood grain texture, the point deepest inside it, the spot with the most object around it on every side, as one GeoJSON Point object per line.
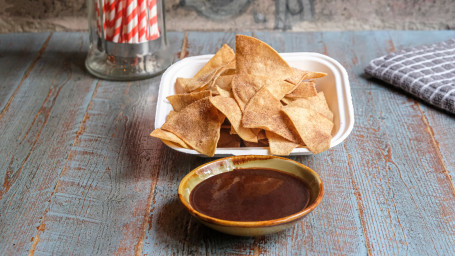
{"type": "Point", "coordinates": [319, 233]}
{"type": "Point", "coordinates": [440, 124]}
{"type": "Point", "coordinates": [18, 54]}
{"type": "Point", "coordinates": [101, 201]}
{"type": "Point", "coordinates": [81, 176]}
{"type": "Point", "coordinates": [38, 129]}
{"type": "Point", "coordinates": [171, 230]}
{"type": "Point", "coordinates": [407, 202]}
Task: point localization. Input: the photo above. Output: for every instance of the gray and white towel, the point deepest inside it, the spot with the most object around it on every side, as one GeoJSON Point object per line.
{"type": "Point", "coordinates": [427, 71]}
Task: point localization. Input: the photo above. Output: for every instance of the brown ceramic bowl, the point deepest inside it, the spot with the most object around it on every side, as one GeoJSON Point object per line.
{"type": "Point", "coordinates": [251, 228]}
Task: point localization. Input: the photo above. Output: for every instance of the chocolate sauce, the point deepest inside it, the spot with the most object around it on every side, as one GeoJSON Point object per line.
{"type": "Point", "coordinates": [250, 195]}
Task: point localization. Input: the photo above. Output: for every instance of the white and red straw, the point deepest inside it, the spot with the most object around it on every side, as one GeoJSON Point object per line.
{"type": "Point", "coordinates": [127, 21]}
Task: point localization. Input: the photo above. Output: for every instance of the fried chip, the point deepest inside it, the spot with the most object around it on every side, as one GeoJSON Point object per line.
{"type": "Point", "coordinates": [261, 135]}
{"type": "Point", "coordinates": [279, 145]}
{"type": "Point", "coordinates": [264, 111]}
{"type": "Point", "coordinates": [185, 85]}
{"type": "Point", "coordinates": [313, 128]}
{"type": "Point", "coordinates": [223, 58]}
{"type": "Point", "coordinates": [228, 140]}
{"type": "Point", "coordinates": [260, 143]}
{"type": "Point", "coordinates": [244, 87]}
{"type": "Point", "coordinates": [229, 69]}
{"type": "Point", "coordinates": [303, 90]}
{"type": "Point", "coordinates": [299, 76]}
{"type": "Point", "coordinates": [169, 137]}
{"type": "Point", "coordinates": [198, 125]}
{"type": "Point", "coordinates": [255, 57]}
{"type": "Point", "coordinates": [180, 101]}
{"type": "Point", "coordinates": [224, 85]}
{"type": "Point", "coordinates": [232, 111]}
{"type": "Point", "coordinates": [317, 103]}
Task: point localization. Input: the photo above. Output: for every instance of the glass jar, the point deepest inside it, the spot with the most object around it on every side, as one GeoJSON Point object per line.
{"type": "Point", "coordinates": [127, 39]}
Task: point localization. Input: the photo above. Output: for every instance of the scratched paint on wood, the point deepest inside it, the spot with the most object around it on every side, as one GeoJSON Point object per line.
{"type": "Point", "coordinates": [391, 153]}
{"type": "Point", "coordinates": [18, 54]}
{"type": "Point", "coordinates": [106, 185]}
{"type": "Point", "coordinates": [87, 179]}
{"type": "Point", "coordinates": [38, 129]}
{"type": "Point", "coordinates": [318, 232]}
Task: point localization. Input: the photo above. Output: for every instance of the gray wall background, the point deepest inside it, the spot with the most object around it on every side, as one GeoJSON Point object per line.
{"type": "Point", "coordinates": [291, 15]}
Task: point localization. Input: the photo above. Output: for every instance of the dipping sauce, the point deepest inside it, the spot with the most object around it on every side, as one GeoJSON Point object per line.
{"type": "Point", "coordinates": [250, 195]}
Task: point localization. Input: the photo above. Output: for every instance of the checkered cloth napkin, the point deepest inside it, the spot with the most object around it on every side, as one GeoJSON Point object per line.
{"type": "Point", "coordinates": [427, 71]}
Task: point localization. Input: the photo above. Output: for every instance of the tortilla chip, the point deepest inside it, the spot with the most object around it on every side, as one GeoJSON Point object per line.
{"type": "Point", "coordinates": [170, 144]}
{"type": "Point", "coordinates": [228, 140]}
{"type": "Point", "coordinates": [299, 76]}
{"type": "Point", "coordinates": [264, 111]}
{"type": "Point", "coordinates": [304, 90]}
{"type": "Point", "coordinates": [286, 100]}
{"type": "Point", "coordinates": [185, 85]}
{"type": "Point", "coordinates": [225, 70]}
{"type": "Point", "coordinates": [313, 128]}
{"type": "Point", "coordinates": [180, 101]}
{"type": "Point", "coordinates": [232, 111]}
{"type": "Point", "coordinates": [224, 85]}
{"type": "Point", "coordinates": [261, 135]}
{"type": "Point", "coordinates": [244, 87]}
{"type": "Point", "coordinates": [279, 145]}
{"type": "Point", "coordinates": [198, 125]}
{"type": "Point", "coordinates": [259, 144]}
{"type": "Point", "coordinates": [170, 137]}
{"type": "Point", "coordinates": [223, 58]}
{"type": "Point", "coordinates": [255, 57]}
{"type": "Point", "coordinates": [317, 103]}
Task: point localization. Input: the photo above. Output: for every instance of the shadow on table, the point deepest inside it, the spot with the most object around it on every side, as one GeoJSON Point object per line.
{"type": "Point", "coordinates": [52, 62]}
{"type": "Point", "coordinates": [181, 228]}
{"type": "Point", "coordinates": [397, 90]}
{"type": "Point", "coordinates": [176, 228]}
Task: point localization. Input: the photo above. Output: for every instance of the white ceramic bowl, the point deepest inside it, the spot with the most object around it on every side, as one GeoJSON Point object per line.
{"type": "Point", "coordinates": [335, 87]}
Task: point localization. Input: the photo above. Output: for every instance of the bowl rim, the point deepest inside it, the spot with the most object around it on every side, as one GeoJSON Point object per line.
{"type": "Point", "coordinates": [250, 224]}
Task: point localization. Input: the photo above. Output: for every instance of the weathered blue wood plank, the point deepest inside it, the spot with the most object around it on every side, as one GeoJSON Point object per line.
{"type": "Point", "coordinates": [101, 201]}
{"type": "Point", "coordinates": [405, 200]}
{"type": "Point", "coordinates": [319, 233]}
{"type": "Point", "coordinates": [81, 176]}
{"type": "Point", "coordinates": [18, 53]}
{"type": "Point", "coordinates": [355, 216]}
{"type": "Point", "coordinates": [171, 230]}
{"type": "Point", "coordinates": [38, 129]}
{"type": "Point", "coordinates": [441, 126]}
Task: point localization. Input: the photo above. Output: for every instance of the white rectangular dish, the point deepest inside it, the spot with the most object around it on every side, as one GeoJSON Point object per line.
{"type": "Point", "coordinates": [335, 87]}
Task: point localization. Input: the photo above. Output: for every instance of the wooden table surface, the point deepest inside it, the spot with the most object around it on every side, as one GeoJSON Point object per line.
{"type": "Point", "coordinates": [79, 174]}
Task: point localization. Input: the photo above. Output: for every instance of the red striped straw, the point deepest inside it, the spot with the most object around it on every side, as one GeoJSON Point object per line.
{"type": "Point", "coordinates": [117, 37]}
{"type": "Point", "coordinates": [142, 18]}
{"type": "Point", "coordinates": [110, 19]}
{"type": "Point", "coordinates": [127, 21]}
{"type": "Point", "coordinates": [153, 21]}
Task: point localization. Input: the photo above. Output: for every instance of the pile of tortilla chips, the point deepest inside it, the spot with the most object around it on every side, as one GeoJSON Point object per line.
{"type": "Point", "coordinates": [251, 98]}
